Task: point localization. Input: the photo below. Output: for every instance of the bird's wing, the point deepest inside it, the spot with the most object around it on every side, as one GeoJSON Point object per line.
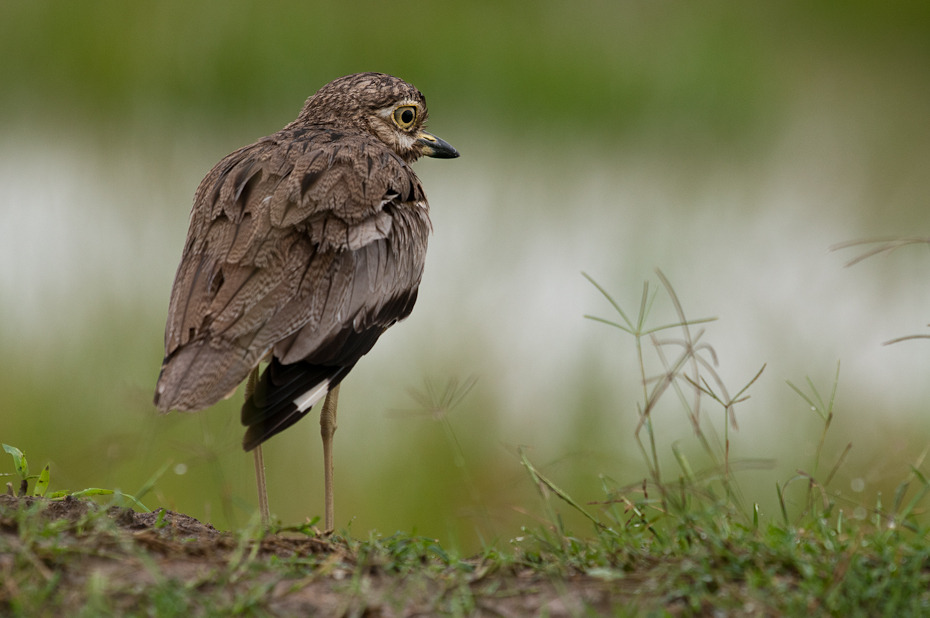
{"type": "Point", "coordinates": [292, 241]}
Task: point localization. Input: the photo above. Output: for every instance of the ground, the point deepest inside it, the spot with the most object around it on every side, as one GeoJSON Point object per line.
{"type": "Point", "coordinates": [72, 553]}
{"type": "Point", "coordinates": [73, 557]}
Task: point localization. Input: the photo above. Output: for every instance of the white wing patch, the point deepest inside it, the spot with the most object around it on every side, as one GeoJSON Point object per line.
{"type": "Point", "coordinates": [305, 401]}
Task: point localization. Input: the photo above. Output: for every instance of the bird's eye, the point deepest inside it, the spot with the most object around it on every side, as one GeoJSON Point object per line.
{"type": "Point", "coordinates": [405, 115]}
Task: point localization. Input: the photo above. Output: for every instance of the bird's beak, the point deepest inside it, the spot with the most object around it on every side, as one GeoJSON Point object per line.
{"type": "Point", "coordinates": [435, 147]}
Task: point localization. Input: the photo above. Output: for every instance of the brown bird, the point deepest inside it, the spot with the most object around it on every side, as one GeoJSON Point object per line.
{"type": "Point", "coordinates": [303, 248]}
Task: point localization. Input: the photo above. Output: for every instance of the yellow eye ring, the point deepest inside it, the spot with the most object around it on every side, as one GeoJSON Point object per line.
{"type": "Point", "coordinates": [405, 115]}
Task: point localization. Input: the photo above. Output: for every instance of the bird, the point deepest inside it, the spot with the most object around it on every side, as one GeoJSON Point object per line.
{"type": "Point", "coordinates": [302, 249]}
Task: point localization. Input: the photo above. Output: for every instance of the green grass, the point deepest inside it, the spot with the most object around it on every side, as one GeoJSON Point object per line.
{"type": "Point", "coordinates": [682, 563]}
{"type": "Point", "coordinates": [681, 540]}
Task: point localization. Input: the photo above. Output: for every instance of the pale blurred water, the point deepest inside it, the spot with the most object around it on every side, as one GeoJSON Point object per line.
{"type": "Point", "coordinates": [744, 238]}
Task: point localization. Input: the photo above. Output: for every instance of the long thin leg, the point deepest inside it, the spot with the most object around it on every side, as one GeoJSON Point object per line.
{"type": "Point", "coordinates": [259, 460]}
{"type": "Point", "coordinates": [327, 429]}
{"type": "Point", "coordinates": [262, 488]}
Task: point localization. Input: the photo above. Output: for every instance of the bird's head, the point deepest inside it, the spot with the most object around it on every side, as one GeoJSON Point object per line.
{"type": "Point", "coordinates": [385, 106]}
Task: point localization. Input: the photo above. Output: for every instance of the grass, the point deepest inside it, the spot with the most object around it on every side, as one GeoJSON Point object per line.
{"type": "Point", "coordinates": [884, 246]}
{"type": "Point", "coordinates": [681, 540]}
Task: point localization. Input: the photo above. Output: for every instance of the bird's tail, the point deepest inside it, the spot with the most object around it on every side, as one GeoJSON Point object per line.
{"type": "Point", "coordinates": [199, 374]}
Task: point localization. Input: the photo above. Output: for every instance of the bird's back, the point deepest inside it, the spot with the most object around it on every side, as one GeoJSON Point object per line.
{"type": "Point", "coordinates": [304, 246]}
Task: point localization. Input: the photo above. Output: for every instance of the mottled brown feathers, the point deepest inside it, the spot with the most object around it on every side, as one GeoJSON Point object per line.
{"type": "Point", "coordinates": [304, 246]}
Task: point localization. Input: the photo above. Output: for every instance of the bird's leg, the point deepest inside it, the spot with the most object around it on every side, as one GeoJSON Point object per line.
{"type": "Point", "coordinates": [259, 460]}
{"type": "Point", "coordinates": [262, 488]}
{"type": "Point", "coordinates": [327, 429]}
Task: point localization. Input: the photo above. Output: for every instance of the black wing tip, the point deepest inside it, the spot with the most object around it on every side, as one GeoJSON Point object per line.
{"type": "Point", "coordinates": [271, 409]}
{"type": "Point", "coordinates": [252, 439]}
{"type": "Point", "coordinates": [262, 430]}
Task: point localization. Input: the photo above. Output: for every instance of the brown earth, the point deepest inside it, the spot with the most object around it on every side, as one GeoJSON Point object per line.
{"type": "Point", "coordinates": [79, 554]}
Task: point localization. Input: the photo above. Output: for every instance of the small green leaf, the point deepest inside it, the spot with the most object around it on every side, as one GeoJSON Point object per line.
{"type": "Point", "coordinates": [41, 484]}
{"type": "Point", "coordinates": [92, 491]}
{"type": "Point", "coordinates": [19, 460]}
{"type": "Point", "coordinates": [135, 501]}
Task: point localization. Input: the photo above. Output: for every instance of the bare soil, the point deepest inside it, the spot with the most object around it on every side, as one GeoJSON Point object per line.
{"type": "Point", "coordinates": [81, 555]}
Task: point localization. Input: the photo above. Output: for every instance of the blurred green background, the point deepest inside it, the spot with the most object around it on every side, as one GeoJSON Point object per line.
{"type": "Point", "coordinates": [729, 144]}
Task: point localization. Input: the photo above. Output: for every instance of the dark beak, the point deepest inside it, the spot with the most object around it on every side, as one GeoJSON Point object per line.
{"type": "Point", "coordinates": [435, 147]}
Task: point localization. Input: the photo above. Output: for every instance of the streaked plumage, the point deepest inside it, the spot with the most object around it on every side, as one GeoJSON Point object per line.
{"type": "Point", "coordinates": [302, 249]}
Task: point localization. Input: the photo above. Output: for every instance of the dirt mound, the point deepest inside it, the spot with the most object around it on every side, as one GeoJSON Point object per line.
{"type": "Point", "coordinates": [70, 554]}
